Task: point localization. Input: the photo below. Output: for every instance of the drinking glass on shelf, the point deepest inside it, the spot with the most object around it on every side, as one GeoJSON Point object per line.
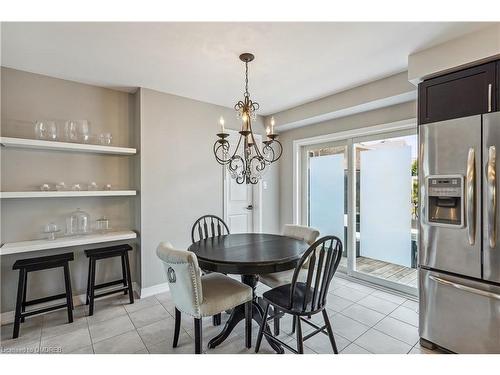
{"type": "Point", "coordinates": [50, 230]}
{"type": "Point", "coordinates": [102, 224]}
{"type": "Point", "coordinates": [60, 186]}
{"type": "Point", "coordinates": [45, 187]}
{"type": "Point", "coordinates": [92, 186]}
{"type": "Point", "coordinates": [71, 131]}
{"type": "Point", "coordinates": [76, 187]}
{"type": "Point", "coordinates": [105, 138]}
{"type": "Point", "coordinates": [83, 131]}
{"type": "Point", "coordinates": [46, 130]}
{"type": "Point", "coordinates": [107, 187]}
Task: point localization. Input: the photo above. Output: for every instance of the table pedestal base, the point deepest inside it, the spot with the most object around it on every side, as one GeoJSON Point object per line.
{"type": "Point", "coordinates": [238, 314]}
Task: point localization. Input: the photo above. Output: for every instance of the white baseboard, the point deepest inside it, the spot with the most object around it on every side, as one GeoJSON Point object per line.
{"type": "Point", "coordinates": [8, 316]}
{"type": "Point", "coordinates": [155, 289]}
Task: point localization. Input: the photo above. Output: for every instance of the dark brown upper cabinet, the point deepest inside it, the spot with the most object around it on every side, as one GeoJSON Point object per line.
{"type": "Point", "coordinates": [464, 93]}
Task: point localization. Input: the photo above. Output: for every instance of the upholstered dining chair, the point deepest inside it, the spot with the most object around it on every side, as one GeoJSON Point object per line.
{"type": "Point", "coordinates": [209, 226]}
{"type": "Point", "coordinates": [200, 295]}
{"type": "Point", "coordinates": [308, 297]}
{"type": "Point", "coordinates": [276, 279]}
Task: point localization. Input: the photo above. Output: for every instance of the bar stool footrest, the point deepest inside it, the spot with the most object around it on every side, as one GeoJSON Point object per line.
{"type": "Point", "coordinates": [44, 299]}
{"type": "Point", "coordinates": [43, 310]}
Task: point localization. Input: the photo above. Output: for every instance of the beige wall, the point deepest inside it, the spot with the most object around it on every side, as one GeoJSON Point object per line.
{"type": "Point", "coordinates": [470, 49]}
{"type": "Point", "coordinates": [28, 97]}
{"type": "Point", "coordinates": [180, 180]}
{"type": "Point", "coordinates": [380, 116]}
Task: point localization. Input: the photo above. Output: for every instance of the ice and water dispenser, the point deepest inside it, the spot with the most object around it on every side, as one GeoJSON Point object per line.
{"type": "Point", "coordinates": [445, 200]}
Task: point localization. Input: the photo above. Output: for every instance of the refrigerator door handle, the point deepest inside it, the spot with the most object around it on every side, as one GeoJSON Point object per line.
{"type": "Point", "coordinates": [491, 178]}
{"type": "Point", "coordinates": [466, 288]}
{"type": "Point", "coordinates": [489, 97]}
{"type": "Point", "coordinates": [471, 196]}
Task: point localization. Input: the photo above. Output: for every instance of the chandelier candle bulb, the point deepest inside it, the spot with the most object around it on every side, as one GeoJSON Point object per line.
{"type": "Point", "coordinates": [221, 122]}
{"type": "Point", "coordinates": [272, 125]}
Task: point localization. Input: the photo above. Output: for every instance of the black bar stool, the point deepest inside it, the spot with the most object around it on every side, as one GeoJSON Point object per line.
{"type": "Point", "coordinates": [126, 280]}
{"type": "Point", "coordinates": [37, 264]}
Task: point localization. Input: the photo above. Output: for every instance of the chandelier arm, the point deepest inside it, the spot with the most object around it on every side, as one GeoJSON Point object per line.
{"type": "Point", "coordinates": [216, 148]}
{"type": "Point", "coordinates": [280, 150]}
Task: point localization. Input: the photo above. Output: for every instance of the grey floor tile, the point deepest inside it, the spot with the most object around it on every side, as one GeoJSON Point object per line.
{"type": "Point", "coordinates": [377, 342]}
{"type": "Point", "coordinates": [360, 287]}
{"type": "Point", "coordinates": [157, 332]}
{"type": "Point", "coordinates": [144, 317]}
{"type": "Point", "coordinates": [378, 304]}
{"type": "Point", "coordinates": [140, 304]}
{"type": "Point", "coordinates": [391, 297]}
{"type": "Point", "coordinates": [363, 314]}
{"type": "Point", "coordinates": [406, 315]}
{"type": "Point", "coordinates": [106, 311]}
{"type": "Point", "coordinates": [354, 349]}
{"type": "Point", "coordinates": [337, 303]}
{"type": "Point", "coordinates": [85, 350]}
{"type": "Point", "coordinates": [110, 328]}
{"type": "Point", "coordinates": [418, 349]}
{"type": "Point", "coordinates": [349, 294]}
{"type": "Point", "coordinates": [68, 342]}
{"type": "Point", "coordinates": [411, 305]}
{"type": "Point", "coordinates": [320, 343]}
{"type": "Point", "coordinates": [56, 323]}
{"type": "Point", "coordinates": [347, 327]}
{"type": "Point", "coordinates": [126, 343]}
{"type": "Point", "coordinates": [399, 330]}
{"type": "Point", "coordinates": [29, 331]}
{"type": "Point", "coordinates": [184, 346]}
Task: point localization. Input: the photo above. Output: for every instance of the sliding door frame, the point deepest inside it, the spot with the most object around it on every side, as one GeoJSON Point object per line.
{"type": "Point", "coordinates": [349, 138]}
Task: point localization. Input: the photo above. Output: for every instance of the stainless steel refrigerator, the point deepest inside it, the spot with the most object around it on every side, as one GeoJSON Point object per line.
{"type": "Point", "coordinates": [459, 252]}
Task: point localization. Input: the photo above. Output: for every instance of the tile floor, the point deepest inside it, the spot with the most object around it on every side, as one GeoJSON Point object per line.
{"type": "Point", "coordinates": [364, 320]}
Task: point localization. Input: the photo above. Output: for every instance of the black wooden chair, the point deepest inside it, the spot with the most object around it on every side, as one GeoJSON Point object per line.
{"type": "Point", "coordinates": [209, 226]}
{"type": "Point", "coordinates": [302, 299]}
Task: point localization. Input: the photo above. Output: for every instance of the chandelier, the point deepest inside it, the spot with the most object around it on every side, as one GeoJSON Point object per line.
{"type": "Point", "coordinates": [247, 163]}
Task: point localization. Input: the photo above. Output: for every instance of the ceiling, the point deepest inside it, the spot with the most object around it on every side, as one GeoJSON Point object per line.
{"type": "Point", "coordinates": [295, 62]}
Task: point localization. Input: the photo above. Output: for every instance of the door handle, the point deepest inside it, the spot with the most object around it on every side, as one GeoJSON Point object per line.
{"type": "Point", "coordinates": [249, 207]}
{"type": "Point", "coordinates": [465, 287]}
{"type": "Point", "coordinates": [491, 178]}
{"type": "Point", "coordinates": [489, 97]}
{"type": "Point", "coordinates": [471, 196]}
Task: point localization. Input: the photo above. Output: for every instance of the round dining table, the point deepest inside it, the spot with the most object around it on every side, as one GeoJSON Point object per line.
{"type": "Point", "coordinates": [248, 255]}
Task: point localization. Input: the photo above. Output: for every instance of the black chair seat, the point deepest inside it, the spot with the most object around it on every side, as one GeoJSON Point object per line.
{"type": "Point", "coordinates": [280, 297]}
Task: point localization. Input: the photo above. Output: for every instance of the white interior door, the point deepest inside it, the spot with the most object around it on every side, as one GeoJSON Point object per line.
{"type": "Point", "coordinates": [242, 201]}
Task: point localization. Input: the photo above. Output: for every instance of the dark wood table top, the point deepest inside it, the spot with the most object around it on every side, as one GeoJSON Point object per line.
{"type": "Point", "coordinates": [249, 253]}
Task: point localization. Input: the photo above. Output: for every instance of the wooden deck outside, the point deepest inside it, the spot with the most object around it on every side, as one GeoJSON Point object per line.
{"type": "Point", "coordinates": [384, 270]}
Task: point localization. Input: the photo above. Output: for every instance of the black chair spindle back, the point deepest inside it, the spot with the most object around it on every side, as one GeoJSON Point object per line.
{"type": "Point", "coordinates": [208, 226]}
{"type": "Point", "coordinates": [324, 257]}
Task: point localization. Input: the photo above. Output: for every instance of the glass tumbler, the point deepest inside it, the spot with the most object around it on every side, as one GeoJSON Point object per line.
{"type": "Point", "coordinates": [46, 130]}
{"type": "Point", "coordinates": [83, 131]}
{"type": "Point", "coordinates": [71, 131]}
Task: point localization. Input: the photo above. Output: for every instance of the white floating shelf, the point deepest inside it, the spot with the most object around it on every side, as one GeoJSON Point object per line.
{"type": "Point", "coordinates": [65, 194]}
{"type": "Point", "coordinates": [65, 146]}
{"type": "Point", "coordinates": [37, 245]}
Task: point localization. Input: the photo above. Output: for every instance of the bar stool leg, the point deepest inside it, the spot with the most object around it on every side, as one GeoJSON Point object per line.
{"type": "Point", "coordinates": [23, 306]}
{"type": "Point", "coordinates": [69, 293]}
{"type": "Point", "coordinates": [87, 297]}
{"type": "Point", "coordinates": [20, 289]}
{"type": "Point", "coordinates": [92, 285]}
{"type": "Point", "coordinates": [124, 274]}
{"type": "Point", "coordinates": [129, 279]}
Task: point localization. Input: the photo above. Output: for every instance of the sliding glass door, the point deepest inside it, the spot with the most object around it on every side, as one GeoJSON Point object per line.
{"type": "Point", "coordinates": [325, 190]}
{"type": "Point", "coordinates": [364, 191]}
